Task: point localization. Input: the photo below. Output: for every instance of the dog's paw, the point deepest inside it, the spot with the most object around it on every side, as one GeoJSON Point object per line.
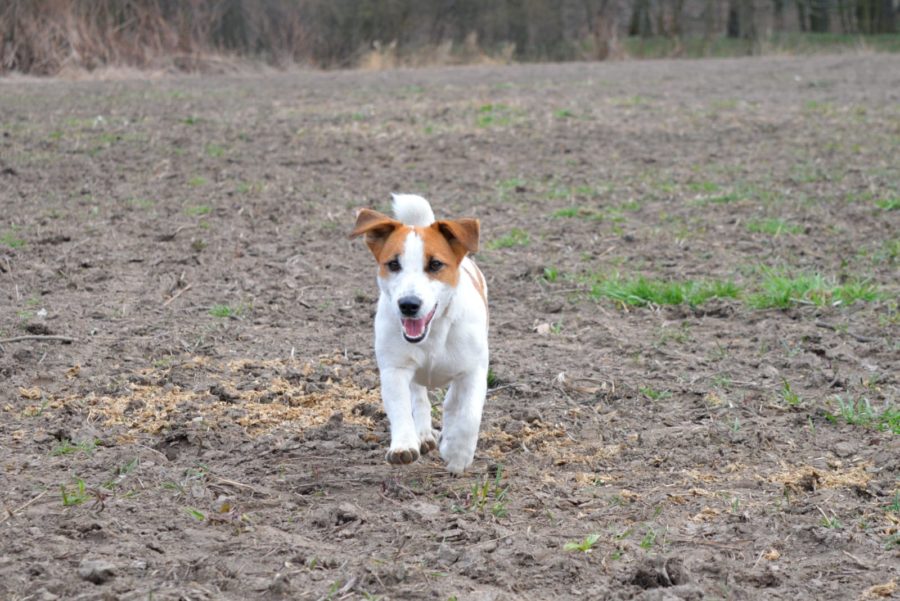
{"type": "Point", "coordinates": [457, 459]}
{"type": "Point", "coordinates": [428, 442]}
{"type": "Point", "coordinates": [401, 456]}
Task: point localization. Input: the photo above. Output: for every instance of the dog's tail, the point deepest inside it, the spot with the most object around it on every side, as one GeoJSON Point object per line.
{"type": "Point", "coordinates": [412, 209]}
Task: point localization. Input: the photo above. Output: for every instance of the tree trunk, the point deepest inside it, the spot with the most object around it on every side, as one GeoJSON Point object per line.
{"type": "Point", "coordinates": [888, 19]}
{"type": "Point", "coordinates": [819, 16]}
{"type": "Point", "coordinates": [640, 19]}
{"type": "Point", "coordinates": [801, 14]}
{"type": "Point", "coordinates": [778, 14]}
{"type": "Point", "coordinates": [733, 27]}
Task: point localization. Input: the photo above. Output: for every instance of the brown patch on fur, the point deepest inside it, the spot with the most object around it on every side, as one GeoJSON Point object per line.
{"type": "Point", "coordinates": [437, 246]}
{"type": "Point", "coordinates": [462, 235]}
{"type": "Point", "coordinates": [378, 229]}
{"type": "Point", "coordinates": [392, 247]}
{"type": "Point", "coordinates": [478, 281]}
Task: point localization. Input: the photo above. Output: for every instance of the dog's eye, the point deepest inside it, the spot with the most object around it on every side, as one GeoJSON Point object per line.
{"type": "Point", "coordinates": [435, 266]}
{"type": "Point", "coordinates": [393, 265]}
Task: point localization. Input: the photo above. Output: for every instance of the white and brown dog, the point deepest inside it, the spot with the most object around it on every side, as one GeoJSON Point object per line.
{"type": "Point", "coordinates": [430, 328]}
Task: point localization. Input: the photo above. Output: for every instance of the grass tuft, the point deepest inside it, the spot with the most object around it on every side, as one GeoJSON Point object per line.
{"type": "Point", "coordinates": [780, 291]}
{"type": "Point", "coordinates": [516, 237]}
{"type": "Point", "coordinates": [585, 545]}
{"type": "Point", "coordinates": [225, 311]}
{"type": "Point", "coordinates": [773, 227]}
{"type": "Point", "coordinates": [888, 204]}
{"type": "Point", "coordinates": [642, 291]}
{"type": "Point", "coordinates": [861, 413]}
{"type": "Point", "coordinates": [11, 240]}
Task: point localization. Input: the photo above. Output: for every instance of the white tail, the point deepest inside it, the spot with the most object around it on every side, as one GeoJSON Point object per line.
{"type": "Point", "coordinates": [412, 209]}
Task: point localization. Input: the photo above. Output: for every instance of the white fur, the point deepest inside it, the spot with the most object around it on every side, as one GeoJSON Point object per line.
{"type": "Point", "coordinates": [412, 209]}
{"type": "Point", "coordinates": [454, 352]}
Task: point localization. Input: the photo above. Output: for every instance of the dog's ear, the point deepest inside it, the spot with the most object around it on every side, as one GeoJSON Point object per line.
{"type": "Point", "coordinates": [376, 226]}
{"type": "Point", "coordinates": [461, 234]}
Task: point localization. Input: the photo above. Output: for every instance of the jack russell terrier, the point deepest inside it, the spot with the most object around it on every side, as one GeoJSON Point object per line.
{"type": "Point", "coordinates": [431, 328]}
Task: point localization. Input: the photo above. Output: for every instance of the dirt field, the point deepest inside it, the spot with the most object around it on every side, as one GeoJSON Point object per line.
{"type": "Point", "coordinates": [211, 428]}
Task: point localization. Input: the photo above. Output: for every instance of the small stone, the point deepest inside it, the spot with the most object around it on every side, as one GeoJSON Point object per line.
{"type": "Point", "coordinates": [447, 555]}
{"type": "Point", "coordinates": [97, 571]}
{"type": "Point", "coordinates": [532, 415]}
{"type": "Point", "coordinates": [513, 427]}
{"type": "Point", "coordinates": [844, 449]}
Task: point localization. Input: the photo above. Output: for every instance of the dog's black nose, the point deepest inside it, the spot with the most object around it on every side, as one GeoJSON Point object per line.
{"type": "Point", "coordinates": [409, 305]}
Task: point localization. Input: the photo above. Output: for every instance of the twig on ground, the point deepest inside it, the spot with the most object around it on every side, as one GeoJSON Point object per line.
{"type": "Point", "coordinates": [177, 294]}
{"type": "Point", "coordinates": [12, 512]}
{"type": "Point", "coordinates": [38, 337]}
{"type": "Point", "coordinates": [857, 337]}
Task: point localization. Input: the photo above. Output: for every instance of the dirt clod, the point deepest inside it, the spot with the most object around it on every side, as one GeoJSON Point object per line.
{"type": "Point", "coordinates": [98, 571]}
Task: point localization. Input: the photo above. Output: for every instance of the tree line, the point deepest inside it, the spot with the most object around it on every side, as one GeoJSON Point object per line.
{"type": "Point", "coordinates": [44, 36]}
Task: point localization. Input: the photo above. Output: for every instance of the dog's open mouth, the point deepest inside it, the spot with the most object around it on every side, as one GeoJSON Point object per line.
{"type": "Point", "coordinates": [415, 330]}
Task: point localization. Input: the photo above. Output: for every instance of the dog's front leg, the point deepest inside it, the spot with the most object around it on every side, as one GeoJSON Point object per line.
{"type": "Point", "coordinates": [395, 395]}
{"type": "Point", "coordinates": [462, 419]}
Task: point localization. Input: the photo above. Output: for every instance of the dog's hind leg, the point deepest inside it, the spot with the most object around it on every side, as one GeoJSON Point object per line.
{"type": "Point", "coordinates": [421, 408]}
{"type": "Point", "coordinates": [462, 419]}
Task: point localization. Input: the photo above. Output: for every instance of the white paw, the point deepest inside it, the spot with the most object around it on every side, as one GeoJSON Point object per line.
{"type": "Point", "coordinates": [457, 457]}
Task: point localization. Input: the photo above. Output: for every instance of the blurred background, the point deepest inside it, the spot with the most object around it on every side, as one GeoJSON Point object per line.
{"type": "Point", "coordinates": [48, 36]}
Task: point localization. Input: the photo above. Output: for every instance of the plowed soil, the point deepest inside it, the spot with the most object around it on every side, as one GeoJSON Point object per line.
{"type": "Point", "coordinates": [193, 412]}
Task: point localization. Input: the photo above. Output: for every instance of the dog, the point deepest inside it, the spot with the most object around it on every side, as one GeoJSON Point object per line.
{"type": "Point", "coordinates": [431, 328]}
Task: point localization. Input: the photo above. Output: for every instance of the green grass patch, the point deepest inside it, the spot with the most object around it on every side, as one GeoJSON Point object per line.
{"type": "Point", "coordinates": [225, 311]}
{"type": "Point", "coordinates": [493, 115]}
{"type": "Point", "coordinates": [215, 151]}
{"type": "Point", "coordinates": [654, 395]}
{"type": "Point", "coordinates": [585, 545]}
{"type": "Point", "coordinates": [196, 182]}
{"type": "Point", "coordinates": [703, 187]}
{"type": "Point", "coordinates": [860, 412]}
{"type": "Point", "coordinates": [773, 227]}
{"type": "Point", "coordinates": [724, 198]}
{"type": "Point", "coordinates": [516, 237]}
{"type": "Point", "coordinates": [75, 495]}
{"type": "Point", "coordinates": [888, 204]}
{"type": "Point", "coordinates": [574, 212]}
{"type": "Point", "coordinates": [11, 240]}
{"type": "Point", "coordinates": [788, 395]}
{"type": "Point", "coordinates": [197, 210]}
{"type": "Point", "coordinates": [66, 447]}
{"type": "Point", "coordinates": [488, 493]}
{"type": "Point", "coordinates": [779, 290]}
{"type": "Point", "coordinates": [643, 291]}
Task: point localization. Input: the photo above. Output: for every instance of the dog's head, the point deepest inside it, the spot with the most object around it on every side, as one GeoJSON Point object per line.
{"type": "Point", "coordinates": [418, 266]}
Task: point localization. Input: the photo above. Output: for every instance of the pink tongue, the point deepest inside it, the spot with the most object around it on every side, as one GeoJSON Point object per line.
{"type": "Point", "coordinates": [414, 327]}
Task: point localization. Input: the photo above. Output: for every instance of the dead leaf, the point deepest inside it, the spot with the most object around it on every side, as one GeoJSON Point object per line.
{"type": "Point", "coordinates": [31, 394]}
{"type": "Point", "coordinates": [706, 514]}
{"type": "Point", "coordinates": [882, 590]}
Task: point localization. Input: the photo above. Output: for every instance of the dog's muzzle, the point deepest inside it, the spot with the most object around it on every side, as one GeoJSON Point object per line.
{"type": "Point", "coordinates": [414, 329]}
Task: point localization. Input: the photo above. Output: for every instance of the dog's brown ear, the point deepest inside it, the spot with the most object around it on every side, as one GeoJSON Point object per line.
{"type": "Point", "coordinates": [461, 234]}
{"type": "Point", "coordinates": [376, 226]}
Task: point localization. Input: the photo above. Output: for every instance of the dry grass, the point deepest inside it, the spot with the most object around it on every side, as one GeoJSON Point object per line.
{"type": "Point", "coordinates": [273, 402]}
{"type": "Point", "coordinates": [50, 37]}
